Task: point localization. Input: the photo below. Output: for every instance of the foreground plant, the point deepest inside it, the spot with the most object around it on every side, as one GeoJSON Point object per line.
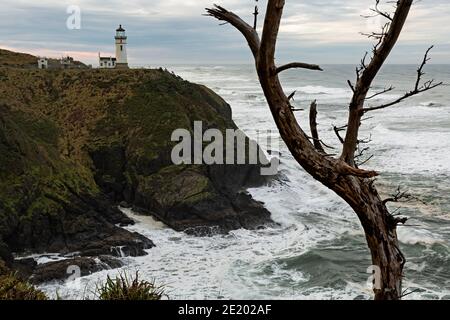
{"type": "Point", "coordinates": [341, 174]}
{"type": "Point", "coordinates": [128, 287]}
{"type": "Point", "coordinates": [13, 288]}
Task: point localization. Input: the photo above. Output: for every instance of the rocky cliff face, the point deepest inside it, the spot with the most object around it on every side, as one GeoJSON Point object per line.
{"type": "Point", "coordinates": [48, 203]}
{"type": "Point", "coordinates": [75, 143]}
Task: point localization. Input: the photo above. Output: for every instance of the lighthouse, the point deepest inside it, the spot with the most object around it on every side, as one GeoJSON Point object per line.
{"type": "Point", "coordinates": [121, 48]}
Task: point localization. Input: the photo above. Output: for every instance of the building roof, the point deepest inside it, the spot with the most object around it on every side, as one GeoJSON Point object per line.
{"type": "Point", "coordinates": [107, 58]}
{"type": "Point", "coordinates": [120, 29]}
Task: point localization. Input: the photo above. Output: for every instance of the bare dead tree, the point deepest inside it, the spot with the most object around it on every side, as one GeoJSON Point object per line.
{"type": "Point", "coordinates": [342, 175]}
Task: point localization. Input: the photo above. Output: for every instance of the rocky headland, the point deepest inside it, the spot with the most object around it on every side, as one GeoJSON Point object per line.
{"type": "Point", "coordinates": [74, 144]}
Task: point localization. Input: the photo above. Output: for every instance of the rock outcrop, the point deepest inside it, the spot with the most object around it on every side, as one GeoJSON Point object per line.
{"type": "Point", "coordinates": [61, 270]}
{"type": "Point", "coordinates": [76, 143]}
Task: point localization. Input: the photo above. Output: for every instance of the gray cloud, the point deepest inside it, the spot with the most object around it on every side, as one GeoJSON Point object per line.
{"type": "Point", "coordinates": [173, 31]}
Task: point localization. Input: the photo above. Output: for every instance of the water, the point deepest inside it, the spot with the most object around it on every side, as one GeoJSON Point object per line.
{"type": "Point", "coordinates": [319, 252]}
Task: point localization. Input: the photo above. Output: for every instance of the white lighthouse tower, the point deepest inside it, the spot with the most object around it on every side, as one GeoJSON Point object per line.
{"type": "Point", "coordinates": [121, 48]}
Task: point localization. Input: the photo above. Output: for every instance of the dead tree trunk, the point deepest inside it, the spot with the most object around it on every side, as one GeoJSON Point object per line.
{"type": "Point", "coordinates": [381, 235]}
{"type": "Point", "coordinates": [341, 175]}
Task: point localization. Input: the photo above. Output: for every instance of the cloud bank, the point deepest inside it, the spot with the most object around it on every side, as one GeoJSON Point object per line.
{"type": "Point", "coordinates": [174, 31]}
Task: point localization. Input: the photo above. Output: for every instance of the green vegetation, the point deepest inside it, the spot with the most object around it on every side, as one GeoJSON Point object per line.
{"type": "Point", "coordinates": [128, 287]}
{"type": "Point", "coordinates": [13, 288]}
{"type": "Point", "coordinates": [17, 60]}
{"type": "Point", "coordinates": [57, 126]}
{"type": "Point", "coordinates": [75, 143]}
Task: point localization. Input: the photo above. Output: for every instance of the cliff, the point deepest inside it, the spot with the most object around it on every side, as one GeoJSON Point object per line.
{"type": "Point", "coordinates": [17, 60]}
{"type": "Point", "coordinates": [27, 61]}
{"type": "Point", "coordinates": [75, 143]}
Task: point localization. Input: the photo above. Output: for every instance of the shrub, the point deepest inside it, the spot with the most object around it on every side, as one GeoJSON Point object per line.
{"type": "Point", "coordinates": [125, 287]}
{"type": "Point", "coordinates": [12, 288]}
{"type": "Point", "coordinates": [3, 269]}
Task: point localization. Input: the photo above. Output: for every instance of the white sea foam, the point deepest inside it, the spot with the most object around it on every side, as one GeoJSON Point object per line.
{"type": "Point", "coordinates": [44, 258]}
{"type": "Point", "coordinates": [414, 235]}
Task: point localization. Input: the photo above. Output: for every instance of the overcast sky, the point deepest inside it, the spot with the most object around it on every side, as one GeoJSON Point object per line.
{"type": "Point", "coordinates": [174, 31]}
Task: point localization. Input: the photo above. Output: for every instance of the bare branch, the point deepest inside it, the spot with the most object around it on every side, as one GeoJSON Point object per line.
{"type": "Point", "coordinates": [386, 90]}
{"type": "Point", "coordinates": [365, 161]}
{"type": "Point", "coordinates": [298, 65]}
{"type": "Point", "coordinates": [366, 73]}
{"type": "Point", "coordinates": [428, 85]}
{"type": "Point", "coordinates": [379, 12]}
{"type": "Point", "coordinates": [248, 32]}
{"type": "Point", "coordinates": [361, 153]}
{"type": "Point", "coordinates": [400, 196]}
{"type": "Point", "coordinates": [313, 126]}
{"type": "Point", "coordinates": [255, 23]}
{"type": "Point", "coordinates": [337, 132]}
{"type": "Point", "coordinates": [404, 294]}
{"type": "Point", "coordinates": [351, 85]}
{"type": "Point", "coordinates": [291, 96]}
{"type": "Point", "coordinates": [324, 144]}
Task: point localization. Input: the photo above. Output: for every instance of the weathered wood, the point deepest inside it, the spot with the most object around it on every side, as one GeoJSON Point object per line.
{"type": "Point", "coordinates": [299, 65]}
{"type": "Point", "coordinates": [313, 126]}
{"type": "Point", "coordinates": [340, 175]}
{"type": "Point", "coordinates": [247, 31]}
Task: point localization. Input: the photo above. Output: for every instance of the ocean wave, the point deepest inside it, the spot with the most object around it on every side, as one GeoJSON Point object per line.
{"type": "Point", "coordinates": [414, 236]}
{"type": "Point", "coordinates": [431, 104]}
{"type": "Point", "coordinates": [320, 90]}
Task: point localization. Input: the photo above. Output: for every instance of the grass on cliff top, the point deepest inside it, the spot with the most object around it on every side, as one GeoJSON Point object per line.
{"type": "Point", "coordinates": [16, 59]}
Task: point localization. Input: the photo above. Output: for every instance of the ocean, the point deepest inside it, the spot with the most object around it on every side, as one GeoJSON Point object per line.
{"type": "Point", "coordinates": [319, 250]}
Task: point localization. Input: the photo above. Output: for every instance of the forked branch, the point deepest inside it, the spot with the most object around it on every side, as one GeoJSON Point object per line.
{"type": "Point", "coordinates": [248, 31]}
{"type": "Point", "coordinates": [318, 164]}
{"type": "Point", "coordinates": [367, 72]}
{"type": "Point", "coordinates": [418, 88]}
{"type": "Point", "coordinates": [378, 12]}
{"type": "Point", "coordinates": [402, 196]}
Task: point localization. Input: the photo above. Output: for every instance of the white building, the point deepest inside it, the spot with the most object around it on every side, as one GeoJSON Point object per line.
{"type": "Point", "coordinates": [106, 62]}
{"type": "Point", "coordinates": [121, 48]}
{"type": "Point", "coordinates": [121, 59]}
{"type": "Point", "coordinates": [43, 63]}
{"type": "Point", "coordinates": [66, 62]}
